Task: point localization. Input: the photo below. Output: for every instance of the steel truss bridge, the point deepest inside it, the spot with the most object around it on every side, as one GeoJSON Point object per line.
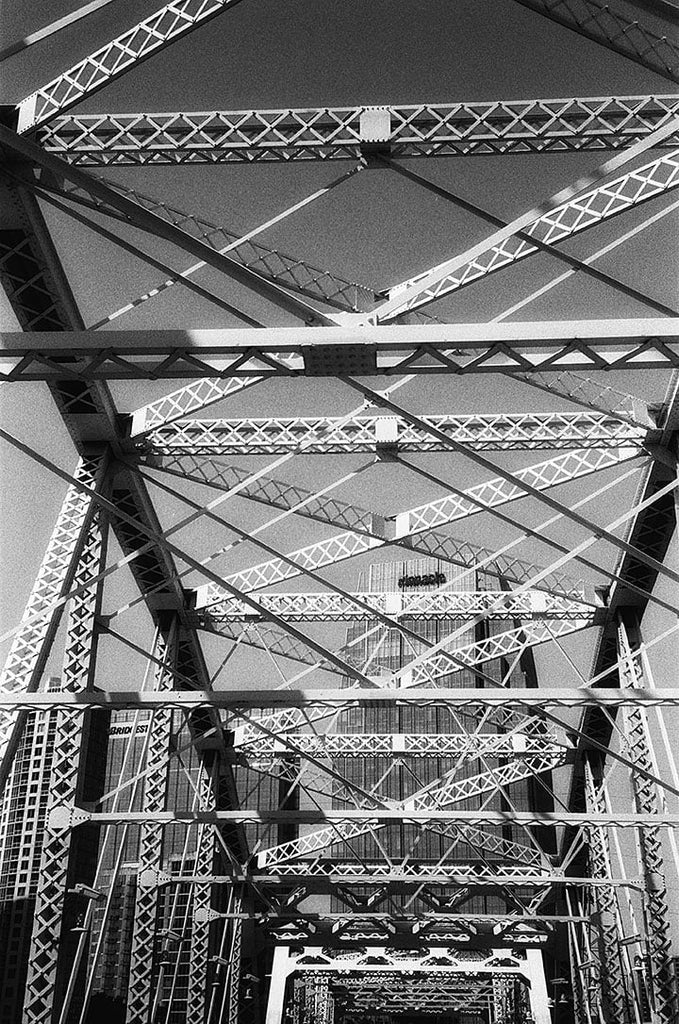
{"type": "Point", "coordinates": [468, 859]}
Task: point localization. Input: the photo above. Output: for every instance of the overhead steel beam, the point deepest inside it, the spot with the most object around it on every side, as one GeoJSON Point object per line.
{"type": "Point", "coordinates": [570, 218]}
{"type": "Point", "coordinates": [473, 918]}
{"type": "Point", "coordinates": [340, 133]}
{"type": "Point", "coordinates": [412, 293]}
{"type": "Point", "coordinates": [422, 605]}
{"type": "Point", "coordinates": [338, 744]}
{"type": "Point", "coordinates": [651, 531]}
{"type": "Point", "coordinates": [121, 54]}
{"type": "Point", "coordinates": [611, 26]}
{"type": "Point", "coordinates": [322, 875]}
{"type": "Point", "coordinates": [63, 819]}
{"type": "Point", "coordinates": [368, 531]}
{"type": "Point", "coordinates": [348, 697]}
{"type": "Point", "coordinates": [575, 264]}
{"type": "Point", "coordinates": [386, 350]}
{"type": "Point", "coordinates": [138, 216]}
{"type": "Point", "coordinates": [491, 432]}
{"type": "Point", "coordinates": [290, 271]}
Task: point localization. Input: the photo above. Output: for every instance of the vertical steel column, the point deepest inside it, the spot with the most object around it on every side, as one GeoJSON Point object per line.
{"type": "Point", "coordinates": [56, 861]}
{"type": "Point", "coordinates": [233, 994]}
{"type": "Point", "coordinates": [539, 1002]}
{"type": "Point", "coordinates": [151, 843]}
{"type": "Point", "coordinates": [200, 925]}
{"type": "Point", "coordinates": [279, 975]}
{"type": "Point", "coordinates": [581, 1011]}
{"type": "Point", "coordinates": [662, 980]}
{"type": "Point", "coordinates": [30, 646]}
{"type": "Point", "coordinates": [613, 992]}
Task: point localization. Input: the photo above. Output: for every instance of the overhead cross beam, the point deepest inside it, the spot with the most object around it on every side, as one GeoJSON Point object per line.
{"type": "Point", "coordinates": [435, 282]}
{"type": "Point", "coordinates": [415, 605]}
{"type": "Point", "coordinates": [75, 816]}
{"type": "Point", "coordinates": [120, 55]}
{"type": "Point", "coordinates": [349, 744]}
{"type": "Point", "coordinates": [611, 26]}
{"type": "Point", "coordinates": [341, 133]}
{"type": "Point", "coordinates": [149, 221]}
{"type": "Point", "coordinates": [492, 432]}
{"type": "Point", "coordinates": [351, 697]}
{"type": "Point", "coordinates": [386, 350]}
{"type": "Point", "coordinates": [575, 264]}
{"type": "Point", "coordinates": [368, 531]}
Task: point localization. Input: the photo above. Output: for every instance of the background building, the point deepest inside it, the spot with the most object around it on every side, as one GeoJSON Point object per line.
{"type": "Point", "coordinates": [23, 810]}
{"type": "Point", "coordinates": [390, 650]}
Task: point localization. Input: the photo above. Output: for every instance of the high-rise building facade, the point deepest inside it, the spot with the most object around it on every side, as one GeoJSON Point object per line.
{"type": "Point", "coordinates": [23, 813]}
{"type": "Point", "coordinates": [389, 650]}
{"type": "Point", "coordinates": [111, 939]}
{"type": "Point", "coordinates": [106, 859]}
{"type": "Point", "coordinates": [23, 810]}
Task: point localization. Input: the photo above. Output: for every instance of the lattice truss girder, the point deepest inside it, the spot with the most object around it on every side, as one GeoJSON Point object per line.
{"type": "Point", "coordinates": [506, 126]}
{"type": "Point", "coordinates": [596, 206]}
{"type": "Point", "coordinates": [498, 432]}
{"type": "Point", "coordinates": [350, 744]}
{"type": "Point", "coordinates": [605, 900]}
{"type": "Point", "coordinates": [448, 790]}
{"type": "Point", "coordinates": [166, 24]}
{"type": "Point", "coordinates": [427, 669]}
{"type": "Point", "coordinates": [499, 491]}
{"type": "Point", "coordinates": [592, 207]}
{"type": "Point", "coordinates": [490, 494]}
{"type": "Point", "coordinates": [197, 1000]}
{"type": "Point", "coordinates": [613, 27]}
{"type": "Point", "coordinates": [293, 272]}
{"type": "Point", "coordinates": [417, 605]}
{"type": "Point", "coordinates": [323, 874]}
{"type": "Point", "coordinates": [370, 531]}
{"type": "Point", "coordinates": [445, 791]}
{"type": "Point", "coordinates": [58, 572]}
{"type": "Point", "coordinates": [662, 976]}
{"type": "Point", "coordinates": [143, 939]}
{"type": "Point", "coordinates": [383, 962]}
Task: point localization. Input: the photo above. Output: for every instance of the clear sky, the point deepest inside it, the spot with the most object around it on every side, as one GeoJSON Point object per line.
{"type": "Point", "coordinates": [377, 229]}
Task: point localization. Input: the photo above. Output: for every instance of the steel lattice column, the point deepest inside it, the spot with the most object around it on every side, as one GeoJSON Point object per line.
{"type": "Point", "coordinates": [613, 992]}
{"type": "Point", "coordinates": [30, 647]}
{"type": "Point", "coordinates": [200, 926]}
{"type": "Point", "coordinates": [56, 866]}
{"type": "Point", "coordinates": [233, 985]}
{"type": "Point", "coordinates": [151, 844]}
{"type": "Point", "coordinates": [662, 980]}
